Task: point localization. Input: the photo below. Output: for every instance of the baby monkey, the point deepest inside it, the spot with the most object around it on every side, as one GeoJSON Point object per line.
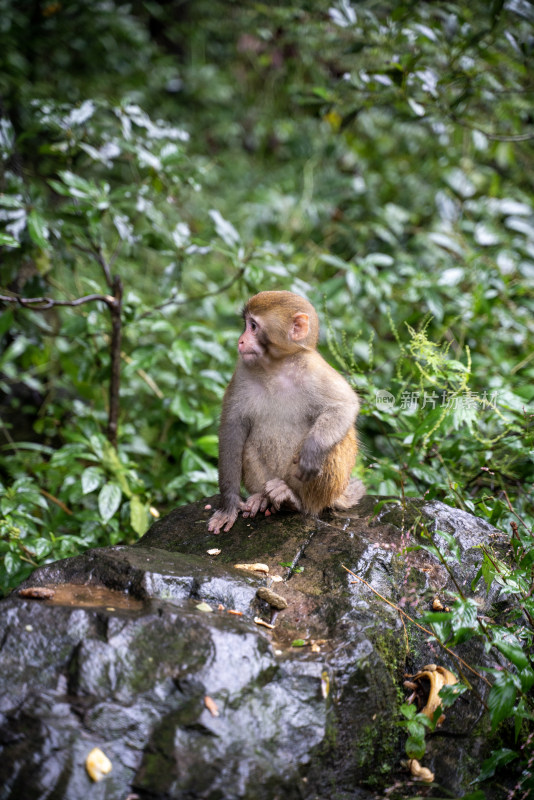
{"type": "Point", "coordinates": [287, 423]}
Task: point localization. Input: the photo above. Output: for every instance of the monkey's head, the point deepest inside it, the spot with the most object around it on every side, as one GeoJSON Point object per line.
{"type": "Point", "coordinates": [277, 324]}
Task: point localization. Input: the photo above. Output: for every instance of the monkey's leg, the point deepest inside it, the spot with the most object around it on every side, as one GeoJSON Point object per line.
{"type": "Point", "coordinates": [253, 504]}
{"type": "Point", "coordinates": [277, 492]}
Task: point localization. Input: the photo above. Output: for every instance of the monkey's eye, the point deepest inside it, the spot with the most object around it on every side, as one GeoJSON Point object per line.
{"type": "Point", "coordinates": [253, 326]}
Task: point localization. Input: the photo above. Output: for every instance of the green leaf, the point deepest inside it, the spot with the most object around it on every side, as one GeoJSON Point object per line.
{"type": "Point", "coordinates": [8, 241]}
{"type": "Point", "coordinates": [11, 201]}
{"type": "Point", "coordinates": [59, 188]}
{"type": "Point", "coordinates": [299, 643]}
{"type": "Point", "coordinates": [526, 676]}
{"type": "Point", "coordinates": [450, 693]}
{"type": "Point", "coordinates": [225, 229]}
{"type": "Point", "coordinates": [38, 229]}
{"type": "Point", "coordinates": [78, 187]}
{"type": "Point", "coordinates": [181, 354]}
{"type": "Point", "coordinates": [138, 515]}
{"type": "Point", "coordinates": [320, 91]}
{"type": "Point", "coordinates": [11, 563]}
{"type": "Point", "coordinates": [182, 409]}
{"type": "Point", "coordinates": [488, 570]}
{"type": "Point", "coordinates": [92, 478]}
{"type": "Point", "coordinates": [6, 321]}
{"type": "Point", "coordinates": [7, 505]}
{"type": "Point", "coordinates": [453, 545]}
{"type": "Point", "coordinates": [501, 698]}
{"type": "Point", "coordinates": [416, 727]}
{"type": "Point", "coordinates": [98, 445]}
{"type": "Point", "coordinates": [499, 758]}
{"type": "Point", "coordinates": [513, 652]}
{"type": "Point", "coordinates": [40, 547]}
{"type": "Point", "coordinates": [464, 619]}
{"type": "Point", "coordinates": [208, 444]}
{"type": "Point", "coordinates": [415, 746]}
{"type": "Point", "coordinates": [109, 500]}
{"type": "Point", "coordinates": [408, 710]}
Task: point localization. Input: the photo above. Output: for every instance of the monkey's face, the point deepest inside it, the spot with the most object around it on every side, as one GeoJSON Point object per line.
{"type": "Point", "coordinates": [271, 337]}
{"type": "Point", "coordinates": [251, 345]}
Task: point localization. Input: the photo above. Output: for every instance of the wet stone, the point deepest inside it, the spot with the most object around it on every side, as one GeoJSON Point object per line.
{"type": "Point", "coordinates": [115, 654]}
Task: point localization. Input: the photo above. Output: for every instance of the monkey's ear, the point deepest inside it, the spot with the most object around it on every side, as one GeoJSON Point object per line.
{"type": "Point", "coordinates": [300, 327]}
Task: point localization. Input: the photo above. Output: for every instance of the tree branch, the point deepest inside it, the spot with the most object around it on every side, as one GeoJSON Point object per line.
{"type": "Point", "coordinates": [115, 378]}
{"type": "Point", "coordinates": [44, 303]}
{"type": "Point", "coordinates": [114, 303]}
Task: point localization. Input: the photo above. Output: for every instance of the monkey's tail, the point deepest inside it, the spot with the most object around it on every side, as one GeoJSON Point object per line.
{"type": "Point", "coordinates": [351, 496]}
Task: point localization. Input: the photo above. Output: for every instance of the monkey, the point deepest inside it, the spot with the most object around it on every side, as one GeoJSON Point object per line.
{"type": "Point", "coordinates": [287, 423]}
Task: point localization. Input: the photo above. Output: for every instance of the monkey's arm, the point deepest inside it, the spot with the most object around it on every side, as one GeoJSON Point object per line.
{"type": "Point", "coordinates": [232, 436]}
{"type": "Point", "coordinates": [335, 418]}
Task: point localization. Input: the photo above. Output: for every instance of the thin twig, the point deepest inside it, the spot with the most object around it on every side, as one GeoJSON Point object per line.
{"type": "Point", "coordinates": [514, 512]}
{"type": "Point", "coordinates": [196, 298]}
{"type": "Point", "coordinates": [425, 630]}
{"type": "Point", "coordinates": [55, 500]}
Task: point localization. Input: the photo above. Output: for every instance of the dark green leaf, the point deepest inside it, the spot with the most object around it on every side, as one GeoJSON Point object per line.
{"type": "Point", "coordinates": [526, 676]}
{"type": "Point", "coordinates": [415, 746]}
{"type": "Point", "coordinates": [38, 229]}
{"type": "Point", "coordinates": [182, 409]}
{"type": "Point", "coordinates": [501, 699]}
{"type": "Point", "coordinates": [513, 652]}
{"type": "Point", "coordinates": [499, 758]}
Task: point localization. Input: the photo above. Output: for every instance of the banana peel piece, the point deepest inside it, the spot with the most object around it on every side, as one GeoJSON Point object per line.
{"type": "Point", "coordinates": [97, 764]}
{"type": "Point", "coordinates": [437, 677]}
{"type": "Point", "coordinates": [420, 773]}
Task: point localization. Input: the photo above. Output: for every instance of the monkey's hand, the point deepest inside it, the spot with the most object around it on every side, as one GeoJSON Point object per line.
{"type": "Point", "coordinates": [254, 503]}
{"type": "Point", "coordinates": [310, 460]}
{"type": "Point", "coordinates": [277, 492]}
{"type": "Point", "coordinates": [222, 519]}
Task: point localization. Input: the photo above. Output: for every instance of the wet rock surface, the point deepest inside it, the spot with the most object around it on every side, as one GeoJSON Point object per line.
{"type": "Point", "coordinates": [194, 704]}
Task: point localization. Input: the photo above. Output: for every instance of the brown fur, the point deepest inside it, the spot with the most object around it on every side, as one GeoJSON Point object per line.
{"type": "Point", "coordinates": [324, 491]}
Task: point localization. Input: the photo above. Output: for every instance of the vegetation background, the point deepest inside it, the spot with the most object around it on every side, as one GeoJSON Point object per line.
{"type": "Point", "coordinates": [161, 161]}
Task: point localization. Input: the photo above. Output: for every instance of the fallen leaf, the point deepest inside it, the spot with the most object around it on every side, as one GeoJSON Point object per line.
{"type": "Point", "coordinates": [36, 593]}
{"type": "Point", "coordinates": [211, 705]}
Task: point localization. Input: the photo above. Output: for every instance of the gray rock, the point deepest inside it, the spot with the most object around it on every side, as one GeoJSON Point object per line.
{"type": "Point", "coordinates": [122, 658]}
